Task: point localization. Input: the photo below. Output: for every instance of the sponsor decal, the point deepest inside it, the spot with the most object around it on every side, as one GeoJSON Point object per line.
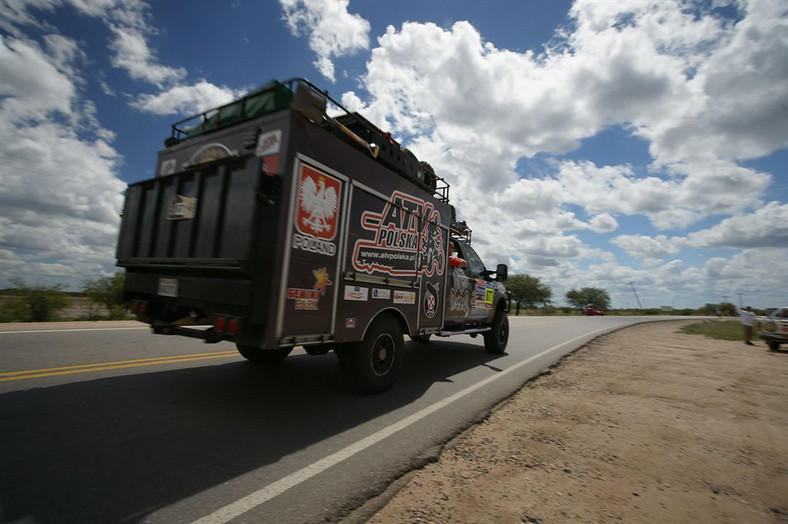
{"type": "Point", "coordinates": [317, 212]}
{"type": "Point", "coordinates": [489, 295]}
{"type": "Point", "coordinates": [480, 293]}
{"type": "Point", "coordinates": [309, 299]}
{"type": "Point", "coordinates": [304, 299]}
{"type": "Point", "coordinates": [269, 143]}
{"type": "Point", "coordinates": [407, 239]}
{"type": "Point", "coordinates": [404, 297]}
{"type": "Point", "coordinates": [356, 293]}
{"type": "Point", "coordinates": [321, 280]}
{"type": "Point", "coordinates": [383, 294]}
{"type": "Point", "coordinates": [350, 323]}
{"type": "Point", "coordinates": [459, 296]}
{"type": "Point", "coordinates": [181, 208]}
{"type": "Point", "coordinates": [431, 299]}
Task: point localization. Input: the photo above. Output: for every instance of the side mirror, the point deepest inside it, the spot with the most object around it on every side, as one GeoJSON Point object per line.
{"type": "Point", "coordinates": [501, 273]}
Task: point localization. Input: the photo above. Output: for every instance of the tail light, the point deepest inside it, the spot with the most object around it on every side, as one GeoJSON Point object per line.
{"type": "Point", "coordinates": [139, 307]}
{"type": "Point", "coordinates": [229, 325]}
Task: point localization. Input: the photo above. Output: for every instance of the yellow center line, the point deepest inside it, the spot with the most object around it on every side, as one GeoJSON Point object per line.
{"type": "Point", "coordinates": [105, 366]}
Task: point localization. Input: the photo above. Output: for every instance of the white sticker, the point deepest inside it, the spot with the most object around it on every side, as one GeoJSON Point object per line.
{"type": "Point", "coordinates": [359, 294]}
{"type": "Point", "coordinates": [383, 294]}
{"type": "Point", "coordinates": [269, 143]}
{"type": "Point", "coordinates": [404, 297]}
{"type": "Point", "coordinates": [168, 287]}
{"type": "Point", "coordinates": [167, 167]}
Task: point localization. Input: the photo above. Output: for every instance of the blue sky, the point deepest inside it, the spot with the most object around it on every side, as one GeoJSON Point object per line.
{"type": "Point", "coordinates": [587, 143]}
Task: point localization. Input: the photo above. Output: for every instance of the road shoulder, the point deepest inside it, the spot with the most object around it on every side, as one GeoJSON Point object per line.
{"type": "Point", "coordinates": [642, 425]}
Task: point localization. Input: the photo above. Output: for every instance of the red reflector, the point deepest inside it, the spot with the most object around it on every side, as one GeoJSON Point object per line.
{"type": "Point", "coordinates": [135, 307]}
{"type": "Point", "coordinates": [232, 326]}
{"type": "Point", "coordinates": [142, 308]}
{"type": "Point", "coordinates": [220, 324]}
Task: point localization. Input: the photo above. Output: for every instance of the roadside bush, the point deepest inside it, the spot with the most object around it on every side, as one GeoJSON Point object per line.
{"type": "Point", "coordinates": [14, 310]}
{"type": "Point", "coordinates": [107, 292]}
{"type": "Point", "coordinates": [34, 303]}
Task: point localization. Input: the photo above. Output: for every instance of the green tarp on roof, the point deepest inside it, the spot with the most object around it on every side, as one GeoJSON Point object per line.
{"type": "Point", "coordinates": [270, 98]}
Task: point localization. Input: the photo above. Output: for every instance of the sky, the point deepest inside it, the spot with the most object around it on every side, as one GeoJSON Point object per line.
{"type": "Point", "coordinates": [587, 143]}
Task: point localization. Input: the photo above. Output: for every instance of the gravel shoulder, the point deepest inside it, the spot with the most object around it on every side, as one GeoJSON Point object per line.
{"type": "Point", "coordinates": [642, 425]}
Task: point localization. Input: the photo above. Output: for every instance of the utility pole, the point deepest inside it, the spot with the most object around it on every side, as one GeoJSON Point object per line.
{"type": "Point", "coordinates": [632, 285]}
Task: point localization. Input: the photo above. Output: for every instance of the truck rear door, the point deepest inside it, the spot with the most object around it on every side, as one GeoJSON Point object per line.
{"type": "Point", "coordinates": [316, 236]}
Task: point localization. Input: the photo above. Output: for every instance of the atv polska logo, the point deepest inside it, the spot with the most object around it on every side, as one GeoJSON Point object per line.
{"type": "Point", "coordinates": [407, 241]}
{"type": "Point", "coordinates": [316, 212]}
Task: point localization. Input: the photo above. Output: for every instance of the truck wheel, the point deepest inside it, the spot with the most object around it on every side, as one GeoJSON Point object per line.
{"type": "Point", "coordinates": [773, 345]}
{"type": "Point", "coordinates": [495, 340]}
{"type": "Point", "coordinates": [371, 365]}
{"type": "Point", "coordinates": [263, 356]}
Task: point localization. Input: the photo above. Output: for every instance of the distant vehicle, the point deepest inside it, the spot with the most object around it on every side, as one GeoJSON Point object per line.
{"type": "Point", "coordinates": [774, 328]}
{"type": "Point", "coordinates": [591, 311]}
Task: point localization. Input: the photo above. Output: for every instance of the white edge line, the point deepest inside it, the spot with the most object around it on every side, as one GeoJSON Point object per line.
{"type": "Point", "coordinates": [244, 504]}
{"type": "Point", "coordinates": [70, 330]}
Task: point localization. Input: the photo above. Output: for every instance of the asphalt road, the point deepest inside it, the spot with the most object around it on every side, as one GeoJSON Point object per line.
{"type": "Point", "coordinates": [119, 425]}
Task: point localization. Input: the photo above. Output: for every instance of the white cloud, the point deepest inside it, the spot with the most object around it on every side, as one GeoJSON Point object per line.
{"type": "Point", "coordinates": [59, 195]}
{"type": "Point", "coordinates": [333, 32]}
{"type": "Point", "coordinates": [27, 74]}
{"type": "Point", "coordinates": [666, 71]}
{"type": "Point", "coordinates": [766, 227]}
{"type": "Point", "coordinates": [183, 99]}
{"type": "Point", "coordinates": [645, 246]}
{"type": "Point", "coordinates": [133, 54]}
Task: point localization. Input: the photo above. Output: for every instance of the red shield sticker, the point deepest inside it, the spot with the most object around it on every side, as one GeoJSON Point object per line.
{"type": "Point", "coordinates": [318, 203]}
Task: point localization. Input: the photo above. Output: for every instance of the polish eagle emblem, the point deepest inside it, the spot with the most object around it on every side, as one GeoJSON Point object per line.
{"type": "Point", "coordinates": [318, 203]}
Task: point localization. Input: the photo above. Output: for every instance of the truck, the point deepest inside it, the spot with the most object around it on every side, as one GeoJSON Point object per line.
{"type": "Point", "coordinates": [272, 224]}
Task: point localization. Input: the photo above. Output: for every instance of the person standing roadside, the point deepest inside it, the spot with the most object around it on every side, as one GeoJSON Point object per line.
{"type": "Point", "coordinates": [746, 316]}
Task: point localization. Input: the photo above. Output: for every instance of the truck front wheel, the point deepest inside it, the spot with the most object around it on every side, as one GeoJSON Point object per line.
{"type": "Point", "coordinates": [371, 365]}
{"type": "Point", "coordinates": [495, 340]}
{"type": "Point", "coordinates": [263, 356]}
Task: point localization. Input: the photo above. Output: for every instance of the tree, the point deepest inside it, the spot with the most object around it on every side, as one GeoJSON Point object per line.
{"type": "Point", "coordinates": [108, 292]}
{"type": "Point", "coordinates": [528, 291]}
{"type": "Point", "coordinates": [39, 303]}
{"type": "Point", "coordinates": [593, 296]}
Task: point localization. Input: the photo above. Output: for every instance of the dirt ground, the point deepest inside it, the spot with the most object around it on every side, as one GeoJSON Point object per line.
{"type": "Point", "coordinates": [642, 425]}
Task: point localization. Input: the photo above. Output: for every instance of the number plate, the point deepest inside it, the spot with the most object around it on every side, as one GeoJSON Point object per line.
{"type": "Point", "coordinates": [168, 287]}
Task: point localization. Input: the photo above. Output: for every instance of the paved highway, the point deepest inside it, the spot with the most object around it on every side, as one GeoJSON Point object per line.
{"type": "Point", "coordinates": [116, 424]}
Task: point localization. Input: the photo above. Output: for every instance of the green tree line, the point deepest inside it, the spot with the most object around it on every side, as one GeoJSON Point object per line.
{"type": "Point", "coordinates": [25, 303]}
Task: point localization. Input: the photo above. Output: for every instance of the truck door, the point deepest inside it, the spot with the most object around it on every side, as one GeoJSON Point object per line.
{"type": "Point", "coordinates": [315, 235]}
{"type": "Point", "coordinates": [480, 290]}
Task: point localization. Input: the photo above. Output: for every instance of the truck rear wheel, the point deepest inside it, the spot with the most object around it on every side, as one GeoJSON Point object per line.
{"type": "Point", "coordinates": [496, 339]}
{"type": "Point", "coordinates": [371, 365]}
{"type": "Point", "coordinates": [263, 356]}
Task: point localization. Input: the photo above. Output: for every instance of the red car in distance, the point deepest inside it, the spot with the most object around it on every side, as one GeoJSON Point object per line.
{"type": "Point", "coordinates": [591, 311]}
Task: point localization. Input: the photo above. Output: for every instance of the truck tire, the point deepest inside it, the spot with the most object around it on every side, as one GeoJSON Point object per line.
{"type": "Point", "coordinates": [372, 365]}
{"type": "Point", "coordinates": [496, 339]}
{"type": "Point", "coordinates": [427, 176]}
{"type": "Point", "coordinates": [773, 345]}
{"type": "Point", "coordinates": [263, 356]}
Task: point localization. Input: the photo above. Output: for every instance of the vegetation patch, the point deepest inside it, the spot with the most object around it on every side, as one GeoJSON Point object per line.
{"type": "Point", "coordinates": [719, 329]}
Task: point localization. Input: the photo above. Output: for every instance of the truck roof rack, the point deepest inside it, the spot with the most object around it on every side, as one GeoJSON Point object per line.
{"type": "Point", "coordinates": [461, 231]}
{"type": "Point", "coordinates": [299, 94]}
